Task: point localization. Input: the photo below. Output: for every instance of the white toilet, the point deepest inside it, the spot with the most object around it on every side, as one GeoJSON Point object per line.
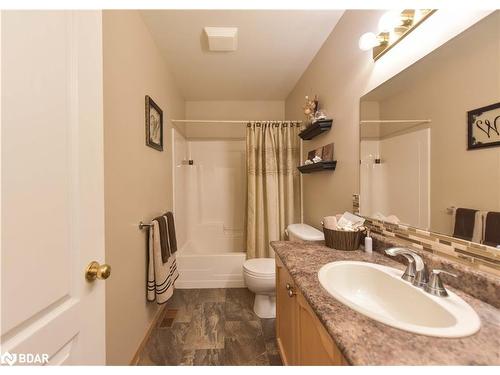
{"type": "Point", "coordinates": [260, 273]}
{"type": "Point", "coordinates": [259, 277]}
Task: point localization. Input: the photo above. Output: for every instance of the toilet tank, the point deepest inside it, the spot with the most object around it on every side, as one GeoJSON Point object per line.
{"type": "Point", "coordinates": [303, 232]}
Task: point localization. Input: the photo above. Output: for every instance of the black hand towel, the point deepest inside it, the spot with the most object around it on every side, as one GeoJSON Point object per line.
{"type": "Point", "coordinates": [171, 232]}
{"type": "Point", "coordinates": [464, 223]}
{"type": "Point", "coordinates": [492, 229]}
{"type": "Point", "coordinates": [164, 240]}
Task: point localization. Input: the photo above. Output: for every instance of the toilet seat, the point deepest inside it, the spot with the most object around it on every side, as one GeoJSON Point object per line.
{"type": "Point", "coordinates": [260, 267]}
{"type": "Point", "coordinates": [260, 275]}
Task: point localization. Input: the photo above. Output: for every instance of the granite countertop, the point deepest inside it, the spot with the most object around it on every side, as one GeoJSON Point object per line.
{"type": "Point", "coordinates": [364, 341]}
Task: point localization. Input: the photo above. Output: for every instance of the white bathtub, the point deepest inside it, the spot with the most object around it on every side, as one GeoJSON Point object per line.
{"type": "Point", "coordinates": [209, 206]}
{"type": "Point", "coordinates": [201, 269]}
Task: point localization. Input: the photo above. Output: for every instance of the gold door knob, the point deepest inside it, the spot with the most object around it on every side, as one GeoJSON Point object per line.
{"type": "Point", "coordinates": [97, 271]}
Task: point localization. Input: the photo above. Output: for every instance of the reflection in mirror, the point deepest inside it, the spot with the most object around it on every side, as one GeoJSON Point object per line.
{"type": "Point", "coordinates": [417, 166]}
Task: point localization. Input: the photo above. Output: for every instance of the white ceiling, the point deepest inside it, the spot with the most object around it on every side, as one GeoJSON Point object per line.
{"type": "Point", "coordinates": [274, 49]}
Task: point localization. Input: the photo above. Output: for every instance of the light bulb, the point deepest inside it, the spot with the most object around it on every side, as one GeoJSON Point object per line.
{"type": "Point", "coordinates": [417, 16]}
{"type": "Point", "coordinates": [389, 21]}
{"type": "Point", "coordinates": [367, 41]}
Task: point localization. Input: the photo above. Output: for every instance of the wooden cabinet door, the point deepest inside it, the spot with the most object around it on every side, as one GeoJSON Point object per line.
{"type": "Point", "coordinates": [315, 347]}
{"type": "Point", "coordinates": [285, 315]}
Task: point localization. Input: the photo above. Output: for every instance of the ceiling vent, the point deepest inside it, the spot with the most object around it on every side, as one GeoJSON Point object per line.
{"type": "Point", "coordinates": [222, 39]}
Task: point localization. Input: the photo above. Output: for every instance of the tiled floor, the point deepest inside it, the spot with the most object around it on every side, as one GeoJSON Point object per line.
{"type": "Point", "coordinates": [212, 327]}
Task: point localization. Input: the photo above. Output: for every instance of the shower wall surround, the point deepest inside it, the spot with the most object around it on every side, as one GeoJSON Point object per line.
{"type": "Point", "coordinates": [210, 194]}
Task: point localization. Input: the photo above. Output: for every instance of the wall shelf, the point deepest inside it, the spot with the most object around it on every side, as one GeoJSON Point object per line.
{"type": "Point", "coordinates": [317, 167]}
{"type": "Point", "coordinates": [315, 129]}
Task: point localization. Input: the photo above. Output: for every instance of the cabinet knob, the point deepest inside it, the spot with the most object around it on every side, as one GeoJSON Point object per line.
{"type": "Point", "coordinates": [288, 286]}
{"type": "Point", "coordinates": [291, 292]}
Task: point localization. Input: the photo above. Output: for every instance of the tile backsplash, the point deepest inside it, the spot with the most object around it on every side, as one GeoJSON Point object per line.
{"type": "Point", "coordinates": [481, 257]}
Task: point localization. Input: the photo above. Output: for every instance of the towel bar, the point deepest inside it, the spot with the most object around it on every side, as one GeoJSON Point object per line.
{"type": "Point", "coordinates": [142, 225]}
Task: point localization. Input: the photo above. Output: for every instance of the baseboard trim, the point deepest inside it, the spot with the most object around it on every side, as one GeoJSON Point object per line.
{"type": "Point", "coordinates": [206, 284]}
{"type": "Point", "coordinates": [154, 322]}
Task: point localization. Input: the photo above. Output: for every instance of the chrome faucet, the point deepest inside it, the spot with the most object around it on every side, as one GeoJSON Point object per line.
{"type": "Point", "coordinates": [435, 285]}
{"type": "Point", "coordinates": [416, 271]}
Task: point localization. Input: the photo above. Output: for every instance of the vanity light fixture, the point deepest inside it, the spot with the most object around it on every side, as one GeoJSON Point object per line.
{"type": "Point", "coordinates": [367, 41]}
{"type": "Point", "coordinates": [393, 26]}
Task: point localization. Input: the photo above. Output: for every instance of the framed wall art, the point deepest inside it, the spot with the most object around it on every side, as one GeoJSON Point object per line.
{"type": "Point", "coordinates": [154, 125]}
{"type": "Point", "coordinates": [483, 127]}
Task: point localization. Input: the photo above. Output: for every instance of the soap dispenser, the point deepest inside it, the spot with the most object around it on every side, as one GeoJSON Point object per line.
{"type": "Point", "coordinates": [368, 242]}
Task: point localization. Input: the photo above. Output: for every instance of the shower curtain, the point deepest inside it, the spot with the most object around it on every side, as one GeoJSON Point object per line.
{"type": "Point", "coordinates": [273, 196]}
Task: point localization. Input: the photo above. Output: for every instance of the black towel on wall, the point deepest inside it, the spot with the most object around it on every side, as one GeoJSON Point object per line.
{"type": "Point", "coordinates": [464, 223]}
{"type": "Point", "coordinates": [164, 242]}
{"type": "Point", "coordinates": [492, 229]}
{"type": "Point", "coordinates": [171, 232]}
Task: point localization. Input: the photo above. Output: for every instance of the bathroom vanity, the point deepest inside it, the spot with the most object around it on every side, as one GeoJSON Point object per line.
{"type": "Point", "coordinates": [313, 328]}
{"type": "Point", "coordinates": [302, 338]}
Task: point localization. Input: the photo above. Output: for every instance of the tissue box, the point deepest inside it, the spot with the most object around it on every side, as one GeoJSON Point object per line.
{"type": "Point", "coordinates": [343, 240]}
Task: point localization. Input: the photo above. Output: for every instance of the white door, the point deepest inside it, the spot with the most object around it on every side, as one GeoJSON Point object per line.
{"type": "Point", "coordinates": [52, 222]}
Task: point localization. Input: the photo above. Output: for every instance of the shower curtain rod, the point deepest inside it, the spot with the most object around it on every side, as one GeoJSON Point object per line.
{"type": "Point", "coordinates": [228, 121]}
{"type": "Point", "coordinates": [426, 121]}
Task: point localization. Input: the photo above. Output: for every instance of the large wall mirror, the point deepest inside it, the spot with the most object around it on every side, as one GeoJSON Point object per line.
{"type": "Point", "coordinates": [430, 140]}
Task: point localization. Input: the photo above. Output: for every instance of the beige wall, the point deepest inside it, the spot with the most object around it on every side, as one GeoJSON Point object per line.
{"type": "Point", "coordinates": [462, 75]}
{"type": "Point", "coordinates": [137, 178]}
{"type": "Point", "coordinates": [229, 110]}
{"type": "Point", "coordinates": [340, 74]}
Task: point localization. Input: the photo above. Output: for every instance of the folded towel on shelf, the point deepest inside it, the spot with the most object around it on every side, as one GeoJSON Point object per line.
{"type": "Point", "coordinates": [464, 223]}
{"type": "Point", "coordinates": [172, 239]}
{"type": "Point", "coordinates": [492, 229]}
{"type": "Point", "coordinates": [162, 266]}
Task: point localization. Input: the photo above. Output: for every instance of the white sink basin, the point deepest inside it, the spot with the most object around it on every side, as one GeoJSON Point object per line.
{"type": "Point", "coordinates": [379, 292]}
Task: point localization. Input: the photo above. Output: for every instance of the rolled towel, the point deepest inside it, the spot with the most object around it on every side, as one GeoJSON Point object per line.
{"type": "Point", "coordinates": [330, 222]}
{"type": "Point", "coordinates": [392, 219]}
{"type": "Point", "coordinates": [379, 216]}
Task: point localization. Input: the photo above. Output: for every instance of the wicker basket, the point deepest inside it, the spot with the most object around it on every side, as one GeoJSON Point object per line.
{"type": "Point", "coordinates": [343, 240]}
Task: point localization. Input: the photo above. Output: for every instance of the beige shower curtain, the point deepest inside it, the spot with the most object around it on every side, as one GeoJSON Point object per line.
{"type": "Point", "coordinates": [273, 197]}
